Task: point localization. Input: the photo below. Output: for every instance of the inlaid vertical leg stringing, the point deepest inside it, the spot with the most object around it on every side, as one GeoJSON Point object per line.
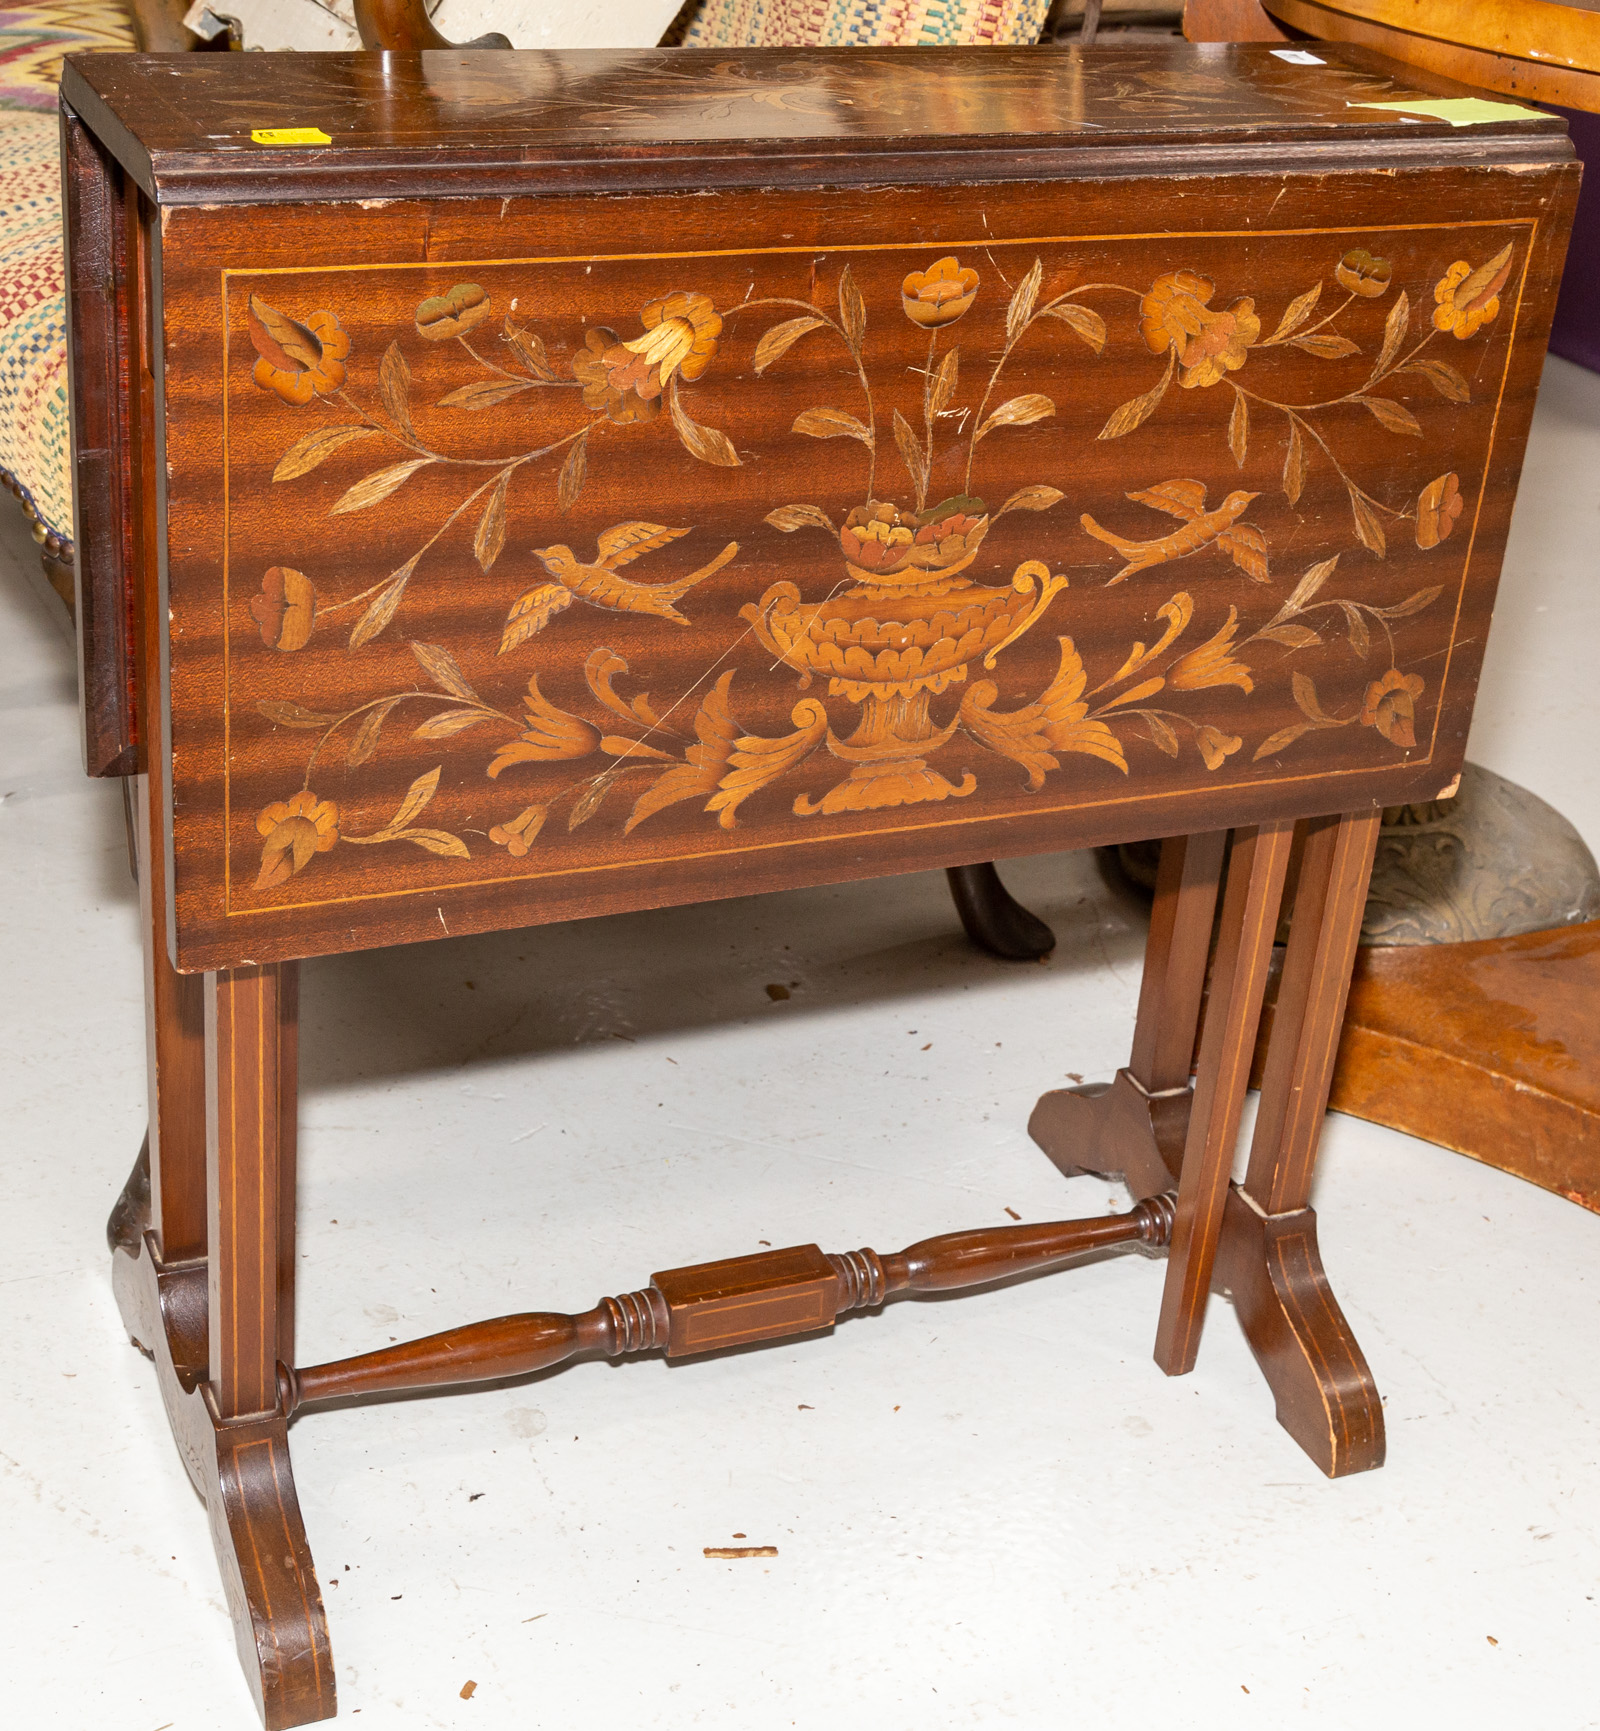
{"type": "Point", "coordinates": [1141, 1127]}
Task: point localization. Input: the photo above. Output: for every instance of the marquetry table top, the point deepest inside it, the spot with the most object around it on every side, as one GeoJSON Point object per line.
{"type": "Point", "coordinates": [182, 121]}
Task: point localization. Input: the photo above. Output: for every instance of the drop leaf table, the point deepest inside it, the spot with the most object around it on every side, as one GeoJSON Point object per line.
{"type": "Point", "coordinates": [515, 487]}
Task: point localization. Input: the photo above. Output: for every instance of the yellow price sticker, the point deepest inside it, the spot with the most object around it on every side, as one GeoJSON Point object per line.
{"type": "Point", "coordinates": [289, 135]}
{"type": "Point", "coordinates": [1460, 110]}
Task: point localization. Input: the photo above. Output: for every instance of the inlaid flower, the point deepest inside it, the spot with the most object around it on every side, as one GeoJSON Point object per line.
{"type": "Point", "coordinates": [517, 836]}
{"type": "Point", "coordinates": [295, 829]}
{"type": "Point", "coordinates": [880, 538]}
{"type": "Point", "coordinates": [1208, 344]}
{"type": "Point", "coordinates": [875, 537]}
{"type": "Point", "coordinates": [1174, 310]}
{"type": "Point", "coordinates": [940, 294]}
{"type": "Point", "coordinates": [593, 366]}
{"type": "Point", "coordinates": [297, 361]}
{"type": "Point", "coordinates": [680, 336]}
{"type": "Point", "coordinates": [1221, 347]}
{"type": "Point", "coordinates": [1212, 663]}
{"type": "Point", "coordinates": [1390, 706]}
{"type": "Point", "coordinates": [1216, 746]}
{"type": "Point", "coordinates": [453, 313]}
{"type": "Point", "coordinates": [1362, 274]}
{"type": "Point", "coordinates": [1468, 299]}
{"type": "Point", "coordinates": [1438, 506]}
{"type": "Point", "coordinates": [286, 608]}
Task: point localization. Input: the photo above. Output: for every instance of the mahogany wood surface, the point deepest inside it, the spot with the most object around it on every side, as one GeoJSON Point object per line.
{"type": "Point", "coordinates": [249, 1044]}
{"type": "Point", "coordinates": [289, 604]}
{"type": "Point", "coordinates": [728, 1304]}
{"type": "Point", "coordinates": [1250, 908]}
{"type": "Point", "coordinates": [410, 425]}
{"type": "Point", "coordinates": [1489, 1048]}
{"type": "Point", "coordinates": [99, 356]}
{"type": "Point", "coordinates": [1188, 880]}
{"type": "Point", "coordinates": [176, 1063]}
{"type": "Point", "coordinates": [1325, 929]}
{"type": "Point", "coordinates": [1267, 1258]}
{"type": "Point", "coordinates": [405, 24]}
{"type": "Point", "coordinates": [173, 1292]}
{"type": "Point", "coordinates": [994, 919]}
{"type": "Point", "coordinates": [1270, 1265]}
{"type": "Point", "coordinates": [1498, 1076]}
{"type": "Point", "coordinates": [174, 1002]}
{"type": "Point", "coordinates": [1540, 50]}
{"type": "Point", "coordinates": [990, 916]}
{"type": "Point", "coordinates": [716, 1305]}
{"type": "Point", "coordinates": [1326, 1397]}
{"type": "Point", "coordinates": [242, 1471]}
{"type": "Point", "coordinates": [635, 120]}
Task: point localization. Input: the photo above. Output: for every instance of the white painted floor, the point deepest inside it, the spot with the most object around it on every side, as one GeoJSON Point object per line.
{"type": "Point", "coordinates": [988, 1512]}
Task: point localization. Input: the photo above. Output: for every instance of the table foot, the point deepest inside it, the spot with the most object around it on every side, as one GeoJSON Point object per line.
{"type": "Point", "coordinates": [994, 919]}
{"type": "Point", "coordinates": [1326, 1397]}
{"type": "Point", "coordinates": [1269, 1264]}
{"type": "Point", "coordinates": [1115, 1130]}
{"type": "Point", "coordinates": [130, 1214]}
{"type": "Point", "coordinates": [241, 1469]}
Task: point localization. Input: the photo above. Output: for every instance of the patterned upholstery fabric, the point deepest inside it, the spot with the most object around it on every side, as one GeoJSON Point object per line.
{"type": "Point", "coordinates": [864, 23]}
{"type": "Point", "coordinates": [35, 446]}
{"type": "Point", "coordinates": [33, 40]}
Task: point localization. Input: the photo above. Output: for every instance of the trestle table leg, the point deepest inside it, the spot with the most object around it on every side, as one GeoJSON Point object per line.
{"type": "Point", "coordinates": [202, 1265]}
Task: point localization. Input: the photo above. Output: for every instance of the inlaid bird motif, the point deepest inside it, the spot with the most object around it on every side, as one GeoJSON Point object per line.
{"type": "Point", "coordinates": [598, 582]}
{"type": "Point", "coordinates": [1242, 542]}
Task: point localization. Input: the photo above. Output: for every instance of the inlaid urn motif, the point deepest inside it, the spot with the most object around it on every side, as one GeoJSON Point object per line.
{"type": "Point", "coordinates": [906, 629]}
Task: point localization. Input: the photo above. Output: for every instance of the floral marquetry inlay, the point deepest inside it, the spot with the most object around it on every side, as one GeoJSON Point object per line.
{"type": "Point", "coordinates": [541, 559]}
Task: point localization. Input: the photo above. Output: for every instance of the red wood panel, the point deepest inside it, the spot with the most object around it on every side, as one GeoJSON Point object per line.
{"type": "Point", "coordinates": [1224, 498]}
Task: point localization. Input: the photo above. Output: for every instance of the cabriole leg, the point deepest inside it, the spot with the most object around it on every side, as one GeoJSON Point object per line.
{"type": "Point", "coordinates": [994, 919]}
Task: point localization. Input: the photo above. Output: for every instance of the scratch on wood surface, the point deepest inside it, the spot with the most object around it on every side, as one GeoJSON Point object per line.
{"type": "Point", "coordinates": [723, 1552]}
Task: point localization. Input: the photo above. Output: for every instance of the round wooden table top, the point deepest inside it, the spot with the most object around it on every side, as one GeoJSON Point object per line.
{"type": "Point", "coordinates": [1536, 49]}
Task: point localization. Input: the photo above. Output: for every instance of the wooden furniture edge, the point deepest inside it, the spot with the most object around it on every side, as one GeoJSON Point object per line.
{"type": "Point", "coordinates": [1533, 80]}
{"type": "Point", "coordinates": [1568, 36]}
{"type": "Point", "coordinates": [1508, 1113]}
{"type": "Point", "coordinates": [95, 210]}
{"type": "Point", "coordinates": [267, 175]}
